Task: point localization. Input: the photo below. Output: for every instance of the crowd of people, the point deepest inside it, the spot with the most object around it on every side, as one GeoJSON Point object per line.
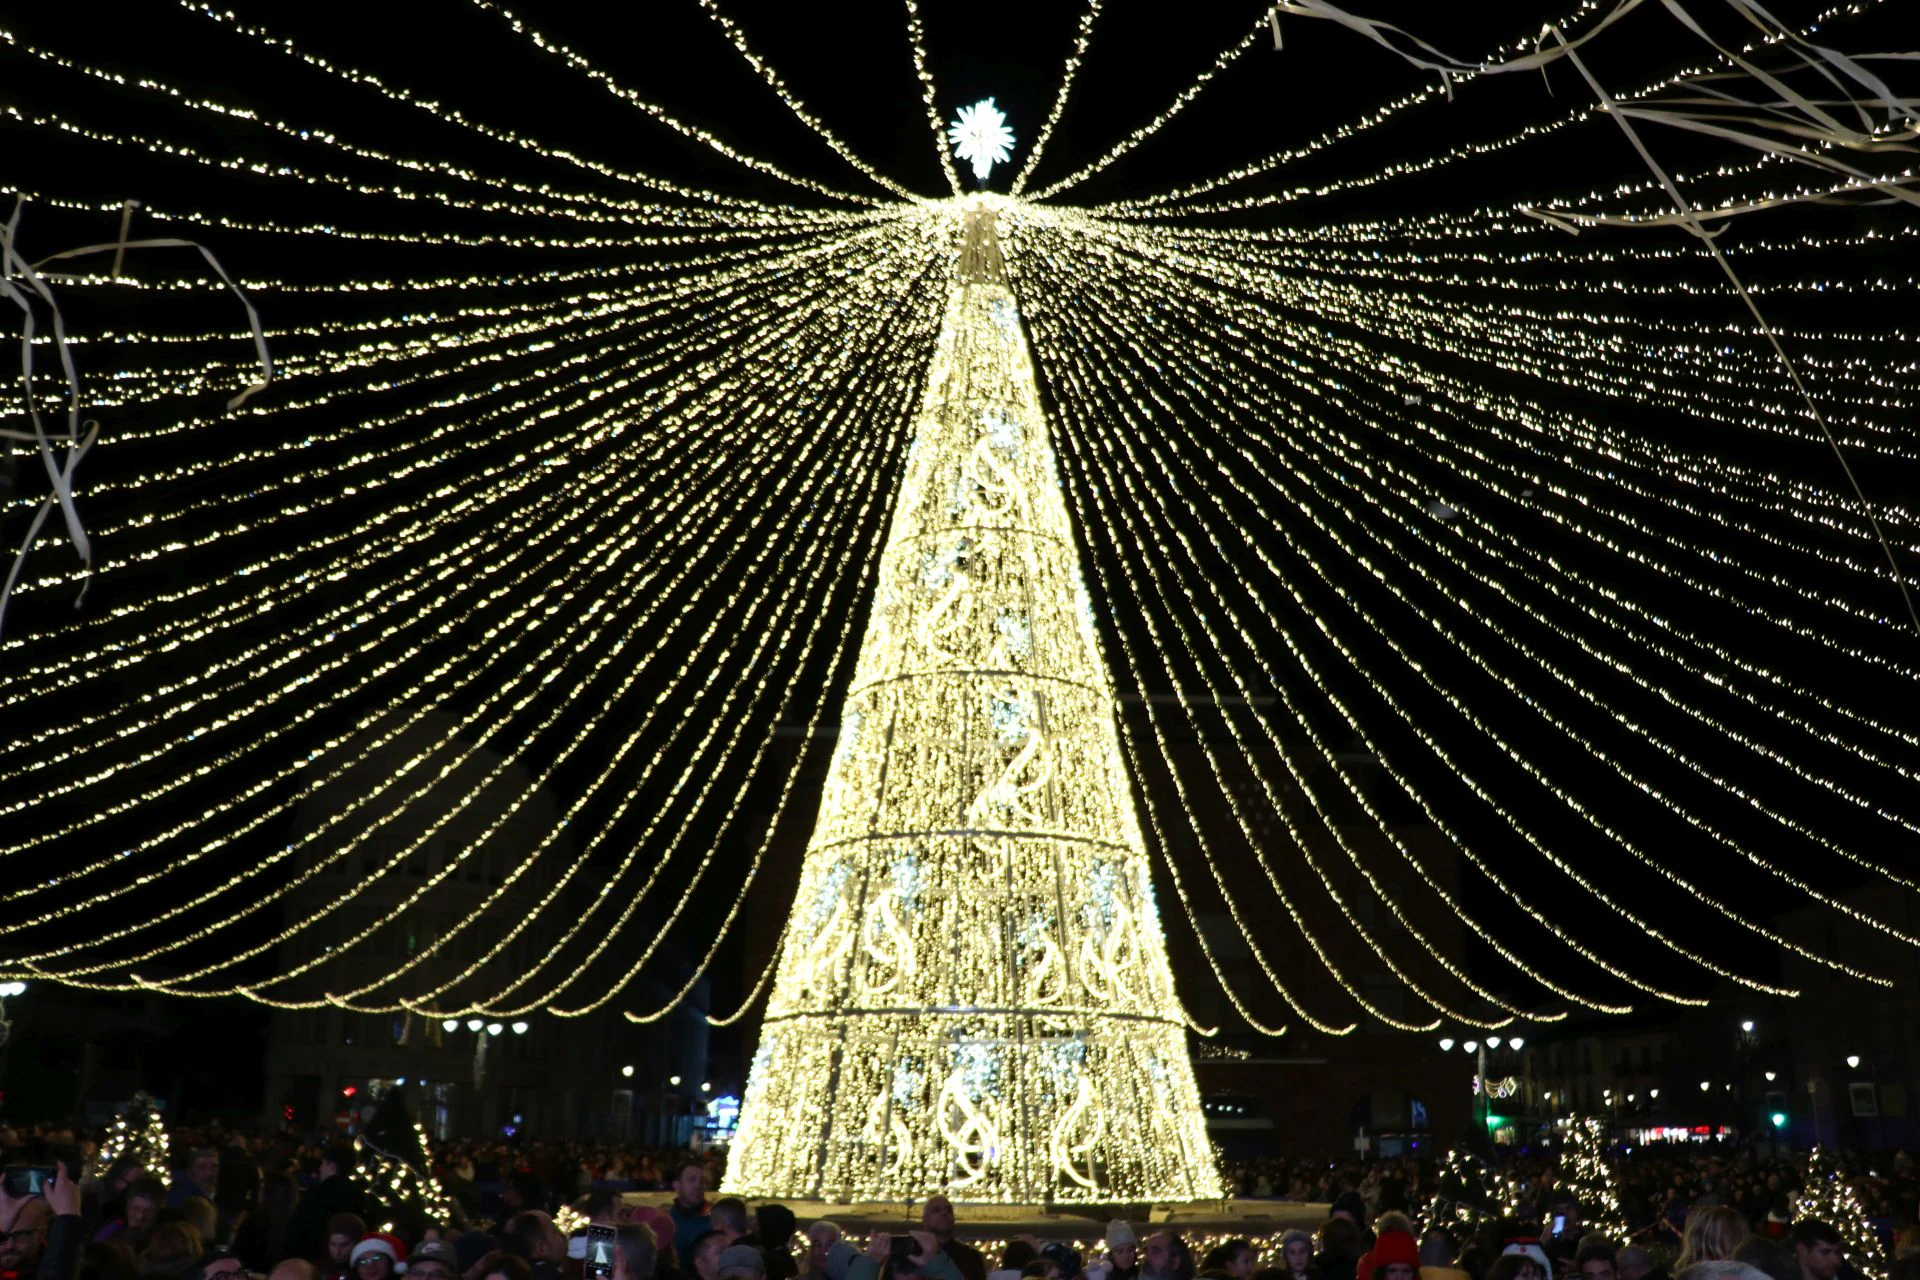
{"type": "Point", "coordinates": [277, 1206]}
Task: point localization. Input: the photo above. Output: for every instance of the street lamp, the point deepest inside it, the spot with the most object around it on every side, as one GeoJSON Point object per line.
{"type": "Point", "coordinates": [519, 1028]}
{"type": "Point", "coordinates": [1704, 1086]}
{"type": "Point", "coordinates": [706, 1086]}
{"type": "Point", "coordinates": [1515, 1043]}
{"type": "Point", "coordinates": [1771, 1075]}
{"type": "Point", "coordinates": [494, 1028]}
{"type": "Point", "coordinates": [1446, 1044]}
{"type": "Point", "coordinates": [474, 1024]}
{"type": "Point", "coordinates": [674, 1081]}
{"type": "Point", "coordinates": [1747, 1026]}
{"type": "Point", "coordinates": [1493, 1042]}
{"type": "Point", "coordinates": [627, 1071]}
{"type": "Point", "coordinates": [1653, 1093]}
{"type": "Point", "coordinates": [451, 1024]}
{"type": "Point", "coordinates": [1471, 1046]}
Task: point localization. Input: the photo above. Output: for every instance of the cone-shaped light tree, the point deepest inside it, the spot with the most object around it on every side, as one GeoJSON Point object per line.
{"type": "Point", "coordinates": [1826, 1197]}
{"type": "Point", "coordinates": [973, 993]}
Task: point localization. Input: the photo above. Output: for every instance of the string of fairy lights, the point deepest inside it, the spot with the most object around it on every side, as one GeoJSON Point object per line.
{"type": "Point", "coordinates": [1453, 563]}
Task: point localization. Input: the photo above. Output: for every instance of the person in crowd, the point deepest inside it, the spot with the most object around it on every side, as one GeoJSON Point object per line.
{"type": "Point", "coordinates": [335, 1193]}
{"type": "Point", "coordinates": [262, 1237]}
{"type": "Point", "coordinates": [1517, 1266]}
{"type": "Point", "coordinates": [1817, 1248]}
{"type": "Point", "coordinates": [689, 1209]}
{"type": "Point", "coordinates": [1296, 1256]}
{"type": "Point", "coordinates": [505, 1266]}
{"type": "Point", "coordinates": [773, 1228]}
{"type": "Point", "coordinates": [344, 1230]}
{"type": "Point", "coordinates": [728, 1216]}
{"type": "Point", "coordinates": [1770, 1259]}
{"type": "Point", "coordinates": [1395, 1257]}
{"type": "Point", "coordinates": [1233, 1259]}
{"type": "Point", "coordinates": [1062, 1261]}
{"type": "Point", "coordinates": [1123, 1253]}
{"type": "Point", "coordinates": [200, 1177]}
{"type": "Point", "coordinates": [1014, 1260]}
{"type": "Point", "coordinates": [1595, 1262]}
{"type": "Point", "coordinates": [1168, 1257]}
{"type": "Point", "coordinates": [1340, 1248]}
{"type": "Point", "coordinates": [822, 1235]}
{"type": "Point", "coordinates": [1436, 1257]}
{"type": "Point", "coordinates": [433, 1260]}
{"type": "Point", "coordinates": [1712, 1234]}
{"type": "Point", "coordinates": [936, 1219]}
{"type": "Point", "coordinates": [378, 1256]}
{"type": "Point", "coordinates": [172, 1247]}
{"type": "Point", "coordinates": [705, 1254]}
{"type": "Point", "coordinates": [105, 1200]}
{"type": "Point", "coordinates": [294, 1269]}
{"type": "Point", "coordinates": [927, 1258]}
{"type": "Point", "coordinates": [106, 1260]}
{"type": "Point", "coordinates": [218, 1263]}
{"type": "Point", "coordinates": [139, 1211]}
{"type": "Point", "coordinates": [42, 1234]}
{"type": "Point", "coordinates": [1352, 1206]}
{"type": "Point", "coordinates": [1635, 1263]}
{"type": "Point", "coordinates": [636, 1251]}
{"type": "Point", "coordinates": [531, 1236]}
{"type": "Point", "coordinates": [740, 1262]}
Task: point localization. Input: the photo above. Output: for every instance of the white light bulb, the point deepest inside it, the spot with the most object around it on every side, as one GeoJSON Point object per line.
{"type": "Point", "coordinates": [1493, 1042]}
{"type": "Point", "coordinates": [519, 1028]}
{"type": "Point", "coordinates": [1853, 1060]}
{"type": "Point", "coordinates": [627, 1071]}
{"type": "Point", "coordinates": [474, 1024]}
{"type": "Point", "coordinates": [1471, 1046]}
{"type": "Point", "coordinates": [494, 1028]}
{"type": "Point", "coordinates": [451, 1024]}
{"type": "Point", "coordinates": [1446, 1044]}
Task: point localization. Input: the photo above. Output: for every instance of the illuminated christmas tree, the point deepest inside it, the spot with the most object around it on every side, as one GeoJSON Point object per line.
{"type": "Point", "coordinates": [1467, 1192]}
{"type": "Point", "coordinates": [398, 1173]}
{"type": "Point", "coordinates": [1585, 1175]}
{"type": "Point", "coordinates": [137, 1134]}
{"type": "Point", "coordinates": [1826, 1197]}
{"type": "Point", "coordinates": [973, 995]}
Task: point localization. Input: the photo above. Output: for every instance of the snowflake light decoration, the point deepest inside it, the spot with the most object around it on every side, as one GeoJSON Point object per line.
{"type": "Point", "coordinates": [980, 137]}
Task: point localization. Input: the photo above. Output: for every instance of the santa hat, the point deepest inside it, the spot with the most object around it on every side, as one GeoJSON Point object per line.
{"type": "Point", "coordinates": [380, 1242]}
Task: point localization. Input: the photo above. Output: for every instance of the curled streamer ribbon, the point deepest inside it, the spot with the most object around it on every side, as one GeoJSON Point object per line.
{"type": "Point", "coordinates": [16, 272]}
{"type": "Point", "coordinates": [1813, 122]}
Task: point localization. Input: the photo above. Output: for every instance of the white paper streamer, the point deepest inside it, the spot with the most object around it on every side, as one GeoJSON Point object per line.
{"type": "Point", "coordinates": [22, 281]}
{"type": "Point", "coordinates": [1794, 113]}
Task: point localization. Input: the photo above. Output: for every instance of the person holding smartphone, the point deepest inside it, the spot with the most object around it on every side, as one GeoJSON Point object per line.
{"type": "Point", "coordinates": [41, 1218]}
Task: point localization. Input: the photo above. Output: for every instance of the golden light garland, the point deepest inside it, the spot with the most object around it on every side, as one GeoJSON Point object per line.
{"type": "Point", "coordinates": [596, 538]}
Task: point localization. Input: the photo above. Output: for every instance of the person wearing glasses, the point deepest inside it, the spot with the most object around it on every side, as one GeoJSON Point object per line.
{"type": "Point", "coordinates": [379, 1256]}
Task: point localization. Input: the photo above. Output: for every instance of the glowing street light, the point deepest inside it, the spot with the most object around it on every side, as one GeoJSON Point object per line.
{"type": "Point", "coordinates": [474, 1024]}
{"type": "Point", "coordinates": [627, 1071]}
{"type": "Point", "coordinates": [1853, 1060]}
{"type": "Point", "coordinates": [1493, 1042]}
{"type": "Point", "coordinates": [1771, 1075]}
{"type": "Point", "coordinates": [1471, 1046]}
{"type": "Point", "coordinates": [494, 1028]}
{"type": "Point", "coordinates": [1515, 1043]}
{"type": "Point", "coordinates": [1704, 1086]}
{"type": "Point", "coordinates": [1747, 1026]}
{"type": "Point", "coordinates": [519, 1028]}
{"type": "Point", "coordinates": [1446, 1044]}
{"type": "Point", "coordinates": [674, 1081]}
{"type": "Point", "coordinates": [451, 1024]}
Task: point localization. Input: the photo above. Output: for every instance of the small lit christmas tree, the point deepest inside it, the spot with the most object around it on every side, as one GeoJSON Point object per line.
{"type": "Point", "coordinates": [1586, 1176]}
{"type": "Point", "coordinates": [1826, 1197]}
{"type": "Point", "coordinates": [1468, 1191]}
{"type": "Point", "coordinates": [398, 1174]}
{"type": "Point", "coordinates": [137, 1134]}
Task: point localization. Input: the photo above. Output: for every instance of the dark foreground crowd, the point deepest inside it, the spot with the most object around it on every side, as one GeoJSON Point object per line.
{"type": "Point", "coordinates": [274, 1206]}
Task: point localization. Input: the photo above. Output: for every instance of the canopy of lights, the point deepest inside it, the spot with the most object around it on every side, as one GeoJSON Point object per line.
{"type": "Point", "coordinates": [444, 571]}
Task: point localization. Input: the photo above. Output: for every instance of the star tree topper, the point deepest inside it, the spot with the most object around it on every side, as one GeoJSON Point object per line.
{"type": "Point", "coordinates": [981, 137]}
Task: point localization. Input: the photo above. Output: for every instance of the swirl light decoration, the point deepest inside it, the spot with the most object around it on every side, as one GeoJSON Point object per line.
{"type": "Point", "coordinates": [1494, 505]}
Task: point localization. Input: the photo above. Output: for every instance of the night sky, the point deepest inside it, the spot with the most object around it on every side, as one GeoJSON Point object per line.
{"type": "Point", "coordinates": [850, 63]}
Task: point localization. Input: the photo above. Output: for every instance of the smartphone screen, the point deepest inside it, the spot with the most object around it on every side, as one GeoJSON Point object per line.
{"type": "Point", "coordinates": [28, 1180]}
{"type": "Point", "coordinates": [1560, 1225]}
{"type": "Point", "coordinates": [599, 1262]}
